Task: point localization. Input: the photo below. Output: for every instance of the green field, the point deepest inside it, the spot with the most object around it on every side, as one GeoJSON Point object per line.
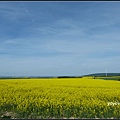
{"type": "Point", "coordinates": [59, 98]}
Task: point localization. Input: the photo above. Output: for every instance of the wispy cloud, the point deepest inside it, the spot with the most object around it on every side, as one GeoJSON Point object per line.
{"type": "Point", "coordinates": [11, 13]}
{"type": "Point", "coordinates": [28, 13]}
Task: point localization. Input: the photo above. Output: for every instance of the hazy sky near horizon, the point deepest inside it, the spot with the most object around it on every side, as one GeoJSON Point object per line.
{"type": "Point", "coordinates": [59, 38]}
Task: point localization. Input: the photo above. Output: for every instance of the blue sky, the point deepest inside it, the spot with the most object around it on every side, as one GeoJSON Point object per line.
{"type": "Point", "coordinates": [59, 38]}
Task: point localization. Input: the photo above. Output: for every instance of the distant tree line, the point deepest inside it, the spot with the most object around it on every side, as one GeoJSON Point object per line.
{"type": "Point", "coordinates": [40, 77]}
{"type": "Point", "coordinates": [69, 77]}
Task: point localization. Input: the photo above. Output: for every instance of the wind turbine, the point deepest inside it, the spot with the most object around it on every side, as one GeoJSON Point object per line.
{"type": "Point", "coordinates": [106, 72]}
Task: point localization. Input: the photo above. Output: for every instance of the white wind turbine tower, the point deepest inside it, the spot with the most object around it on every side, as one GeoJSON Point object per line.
{"type": "Point", "coordinates": [106, 72]}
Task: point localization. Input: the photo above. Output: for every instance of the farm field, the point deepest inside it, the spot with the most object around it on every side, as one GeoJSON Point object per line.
{"type": "Point", "coordinates": [59, 98]}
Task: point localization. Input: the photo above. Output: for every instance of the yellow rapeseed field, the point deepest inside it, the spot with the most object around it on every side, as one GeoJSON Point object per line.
{"type": "Point", "coordinates": [60, 98]}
